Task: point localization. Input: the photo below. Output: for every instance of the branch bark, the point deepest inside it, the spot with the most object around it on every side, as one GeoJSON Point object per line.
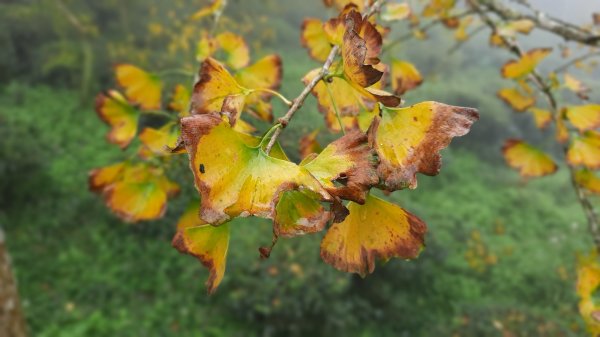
{"type": "Point", "coordinates": [298, 101]}
{"type": "Point", "coordinates": [543, 21]}
{"type": "Point", "coordinates": [12, 323]}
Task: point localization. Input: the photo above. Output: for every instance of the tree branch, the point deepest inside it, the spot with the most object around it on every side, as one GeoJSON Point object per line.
{"type": "Point", "coordinates": [298, 101]}
{"type": "Point", "coordinates": [543, 21]}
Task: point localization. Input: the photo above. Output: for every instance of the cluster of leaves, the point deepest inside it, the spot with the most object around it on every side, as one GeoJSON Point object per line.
{"type": "Point", "coordinates": [237, 174]}
{"type": "Point", "coordinates": [576, 121]}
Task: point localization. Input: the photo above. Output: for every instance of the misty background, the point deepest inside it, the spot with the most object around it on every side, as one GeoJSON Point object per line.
{"type": "Point", "coordinates": [501, 252]}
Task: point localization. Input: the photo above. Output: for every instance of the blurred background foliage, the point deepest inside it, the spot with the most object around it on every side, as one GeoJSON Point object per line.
{"type": "Point", "coordinates": [500, 252]}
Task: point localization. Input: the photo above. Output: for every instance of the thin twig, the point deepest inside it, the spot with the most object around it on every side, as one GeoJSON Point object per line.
{"type": "Point", "coordinates": [335, 108]}
{"type": "Point", "coordinates": [298, 101]}
{"type": "Point", "coordinates": [460, 43]}
{"type": "Point", "coordinates": [575, 60]}
{"type": "Point", "coordinates": [424, 28]}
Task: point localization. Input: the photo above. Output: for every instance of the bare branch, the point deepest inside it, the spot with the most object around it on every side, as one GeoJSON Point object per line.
{"type": "Point", "coordinates": [576, 60]}
{"type": "Point", "coordinates": [542, 21]}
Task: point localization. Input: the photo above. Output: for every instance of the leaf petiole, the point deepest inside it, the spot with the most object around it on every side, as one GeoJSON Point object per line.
{"type": "Point", "coordinates": [276, 93]}
{"type": "Point", "coordinates": [335, 108]}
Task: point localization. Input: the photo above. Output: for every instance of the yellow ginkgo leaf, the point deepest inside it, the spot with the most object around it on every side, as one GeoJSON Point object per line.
{"type": "Point", "coordinates": [588, 281]}
{"type": "Point", "coordinates": [350, 100]}
{"type": "Point", "coordinates": [396, 11]}
{"type": "Point", "coordinates": [340, 4]}
{"type": "Point", "coordinates": [299, 212]}
{"type": "Point", "coordinates": [515, 99]}
{"type": "Point", "coordinates": [376, 230]}
{"type": "Point", "coordinates": [438, 8]}
{"type": "Point", "coordinates": [541, 117]}
{"type": "Point", "coordinates": [530, 161]}
{"type": "Point", "coordinates": [584, 117]}
{"type": "Point", "coordinates": [562, 133]}
{"type": "Point", "coordinates": [157, 142]}
{"type": "Point", "coordinates": [405, 77]}
{"type": "Point", "coordinates": [180, 100]}
{"type": "Point", "coordinates": [264, 74]}
{"type": "Point", "coordinates": [215, 84]}
{"type": "Point", "coordinates": [314, 39]}
{"type": "Point", "coordinates": [207, 243]}
{"type": "Point", "coordinates": [585, 150]}
{"type": "Point", "coordinates": [511, 29]}
{"type": "Point", "coordinates": [215, 7]}
{"type": "Point", "coordinates": [139, 192]}
{"type": "Point", "coordinates": [236, 49]}
{"type": "Point", "coordinates": [461, 31]}
{"type": "Point", "coordinates": [235, 179]}
{"type": "Point", "coordinates": [408, 140]}
{"type": "Point", "coordinates": [347, 168]}
{"type": "Point", "coordinates": [206, 47]}
{"type": "Point", "coordinates": [141, 87]}
{"type": "Point", "coordinates": [360, 53]}
{"type": "Point", "coordinates": [588, 180]}
{"type": "Point", "coordinates": [102, 177]}
{"type": "Point", "coordinates": [577, 87]}
{"type": "Point", "coordinates": [114, 110]}
{"type": "Point", "coordinates": [526, 64]}
{"type": "Point", "coordinates": [309, 144]}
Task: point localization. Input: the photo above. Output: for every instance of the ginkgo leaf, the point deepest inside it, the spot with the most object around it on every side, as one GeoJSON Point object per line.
{"type": "Point", "coordinates": [541, 117]}
{"type": "Point", "coordinates": [138, 192]}
{"type": "Point", "coordinates": [584, 117]}
{"type": "Point", "coordinates": [209, 244]}
{"type": "Point", "coordinates": [588, 281]}
{"type": "Point", "coordinates": [114, 110]}
{"type": "Point", "coordinates": [235, 179]}
{"type": "Point", "coordinates": [340, 4]}
{"type": "Point", "coordinates": [515, 99]}
{"type": "Point", "coordinates": [180, 100]}
{"type": "Point", "coordinates": [309, 144]}
{"type": "Point", "coordinates": [585, 150]}
{"type": "Point", "coordinates": [530, 161]}
{"type": "Point", "coordinates": [361, 53]}
{"type": "Point", "coordinates": [588, 180]}
{"type": "Point", "coordinates": [577, 87]}
{"type": "Point", "coordinates": [264, 74]}
{"type": "Point", "coordinates": [349, 100]}
{"type": "Point", "coordinates": [158, 141]}
{"type": "Point", "coordinates": [526, 64]}
{"type": "Point", "coordinates": [141, 87]}
{"type": "Point", "coordinates": [438, 8]}
{"type": "Point", "coordinates": [376, 230]}
{"type": "Point", "coordinates": [102, 177]}
{"type": "Point", "coordinates": [206, 46]}
{"type": "Point", "coordinates": [214, 7]}
{"type": "Point", "coordinates": [562, 133]}
{"type": "Point", "coordinates": [347, 167]}
{"type": "Point", "coordinates": [408, 140]}
{"type": "Point", "coordinates": [405, 77]}
{"type": "Point", "coordinates": [214, 85]}
{"type": "Point", "coordinates": [236, 49]}
{"type": "Point", "coordinates": [299, 212]}
{"type": "Point", "coordinates": [314, 39]}
{"type": "Point", "coordinates": [461, 31]}
{"type": "Point", "coordinates": [510, 29]}
{"type": "Point", "coordinates": [396, 11]}
{"type": "Point", "coordinates": [336, 27]}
